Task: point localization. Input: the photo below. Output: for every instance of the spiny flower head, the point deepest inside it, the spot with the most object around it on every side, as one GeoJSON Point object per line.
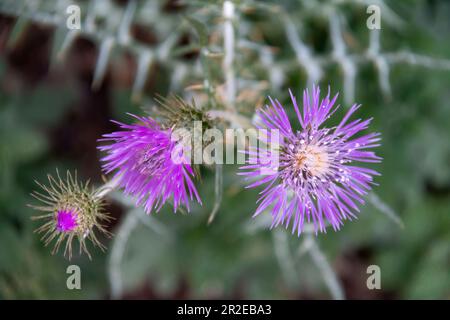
{"type": "Point", "coordinates": [319, 178]}
{"type": "Point", "coordinates": [174, 112]}
{"type": "Point", "coordinates": [72, 212]}
{"type": "Point", "coordinates": [149, 164]}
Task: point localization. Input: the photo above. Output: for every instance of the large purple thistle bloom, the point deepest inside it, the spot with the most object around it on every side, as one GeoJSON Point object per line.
{"type": "Point", "coordinates": [141, 155]}
{"type": "Point", "coordinates": [316, 180]}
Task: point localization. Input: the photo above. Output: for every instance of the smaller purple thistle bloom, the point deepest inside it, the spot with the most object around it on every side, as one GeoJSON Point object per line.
{"type": "Point", "coordinates": [66, 220]}
{"type": "Point", "coordinates": [72, 211]}
{"type": "Point", "coordinates": [316, 179]}
{"type": "Point", "coordinates": [142, 156]}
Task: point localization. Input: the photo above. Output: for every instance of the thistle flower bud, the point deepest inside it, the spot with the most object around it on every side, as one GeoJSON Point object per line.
{"type": "Point", "coordinates": [177, 113]}
{"type": "Point", "coordinates": [73, 211]}
{"type": "Point", "coordinates": [189, 123]}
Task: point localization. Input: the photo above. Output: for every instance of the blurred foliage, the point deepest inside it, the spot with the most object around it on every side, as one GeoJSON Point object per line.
{"type": "Point", "coordinates": [51, 119]}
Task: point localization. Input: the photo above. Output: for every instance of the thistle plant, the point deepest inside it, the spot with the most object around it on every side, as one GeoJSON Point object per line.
{"type": "Point", "coordinates": [233, 63]}
{"type": "Point", "coordinates": [72, 211]}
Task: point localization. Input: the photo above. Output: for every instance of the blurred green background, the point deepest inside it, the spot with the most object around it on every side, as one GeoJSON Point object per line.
{"type": "Point", "coordinates": [51, 117]}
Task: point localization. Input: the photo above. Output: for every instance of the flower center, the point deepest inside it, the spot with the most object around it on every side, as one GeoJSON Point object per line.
{"type": "Point", "coordinates": [306, 163]}
{"type": "Point", "coordinates": [150, 162]}
{"type": "Point", "coordinates": [311, 159]}
{"type": "Point", "coordinates": [66, 220]}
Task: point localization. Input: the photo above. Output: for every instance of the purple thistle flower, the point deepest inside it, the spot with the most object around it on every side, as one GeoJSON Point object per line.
{"type": "Point", "coordinates": [142, 158]}
{"type": "Point", "coordinates": [316, 180]}
{"type": "Point", "coordinates": [71, 210]}
{"type": "Point", "coordinates": [66, 220]}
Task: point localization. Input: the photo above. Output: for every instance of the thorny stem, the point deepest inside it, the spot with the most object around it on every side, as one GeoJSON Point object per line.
{"type": "Point", "coordinates": [375, 200]}
{"type": "Point", "coordinates": [309, 245]}
{"type": "Point", "coordinates": [311, 62]}
{"type": "Point", "coordinates": [230, 96]}
{"type": "Point", "coordinates": [107, 188]}
{"type": "Point", "coordinates": [218, 190]}
{"type": "Point", "coordinates": [207, 82]}
{"type": "Point", "coordinates": [303, 53]}
{"type": "Point", "coordinates": [284, 256]}
{"type": "Point", "coordinates": [340, 55]}
{"type": "Point", "coordinates": [127, 226]}
{"type": "Point", "coordinates": [109, 39]}
{"type": "Point", "coordinates": [118, 251]}
{"type": "Point", "coordinates": [228, 43]}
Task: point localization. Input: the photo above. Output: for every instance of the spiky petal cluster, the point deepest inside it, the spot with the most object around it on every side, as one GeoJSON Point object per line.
{"type": "Point", "coordinates": [320, 178]}
{"type": "Point", "coordinates": [72, 212]}
{"type": "Point", "coordinates": [143, 157]}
